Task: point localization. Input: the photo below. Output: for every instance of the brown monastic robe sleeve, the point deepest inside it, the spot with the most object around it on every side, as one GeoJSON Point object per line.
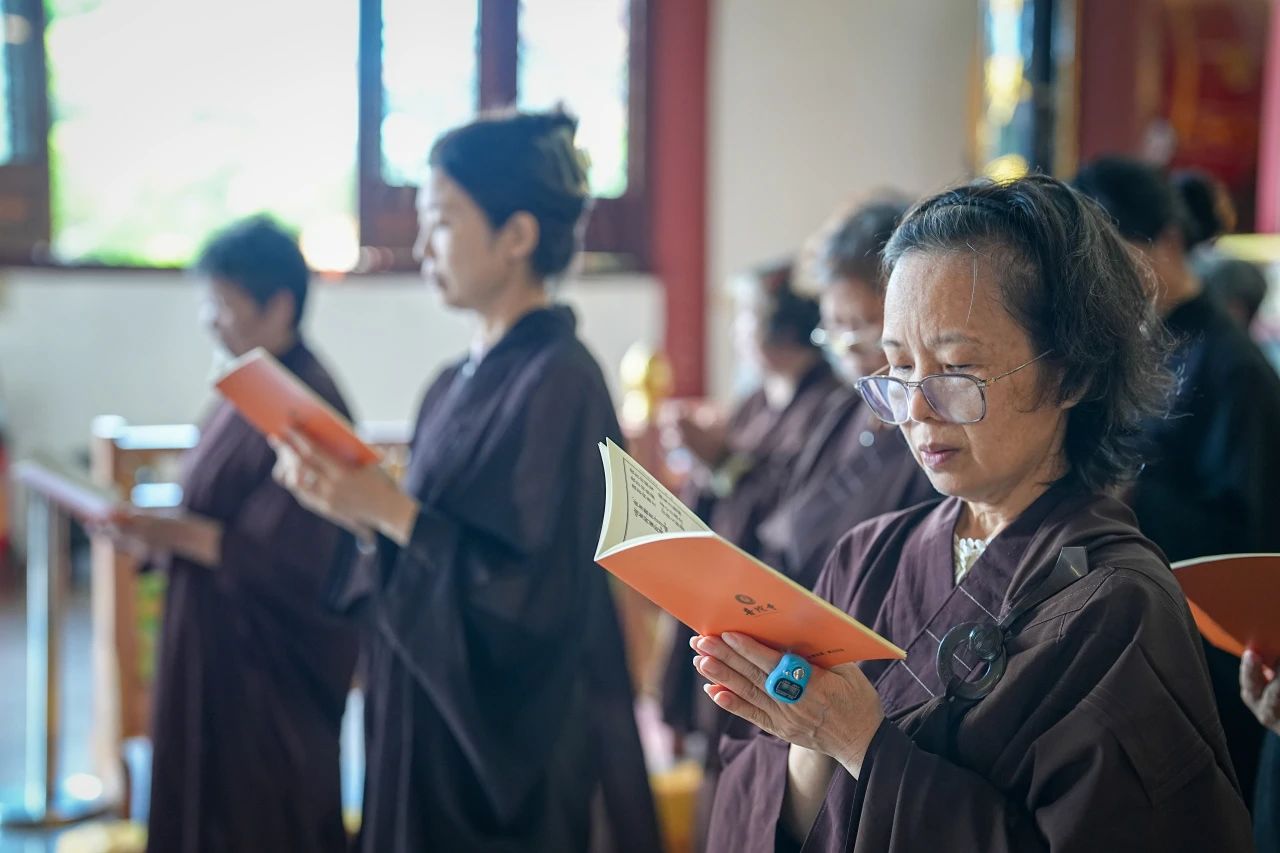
{"type": "Point", "coordinates": [1103, 750]}
{"type": "Point", "coordinates": [1102, 734]}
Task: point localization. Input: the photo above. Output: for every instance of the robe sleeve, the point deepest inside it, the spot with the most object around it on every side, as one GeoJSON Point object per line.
{"type": "Point", "coordinates": [276, 545]}
{"type": "Point", "coordinates": [1116, 757]}
{"type": "Point", "coordinates": [486, 603]}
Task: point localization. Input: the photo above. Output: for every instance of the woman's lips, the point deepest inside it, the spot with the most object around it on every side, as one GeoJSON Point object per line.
{"type": "Point", "coordinates": [936, 455]}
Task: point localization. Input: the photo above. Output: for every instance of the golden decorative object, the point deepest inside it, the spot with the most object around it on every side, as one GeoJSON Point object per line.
{"type": "Point", "coordinates": [646, 381]}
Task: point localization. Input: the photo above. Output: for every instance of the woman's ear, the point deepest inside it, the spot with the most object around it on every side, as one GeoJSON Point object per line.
{"type": "Point", "coordinates": [281, 309]}
{"type": "Point", "coordinates": [518, 237]}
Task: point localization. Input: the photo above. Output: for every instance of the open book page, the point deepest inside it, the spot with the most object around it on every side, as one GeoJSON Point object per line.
{"type": "Point", "coordinates": [637, 505]}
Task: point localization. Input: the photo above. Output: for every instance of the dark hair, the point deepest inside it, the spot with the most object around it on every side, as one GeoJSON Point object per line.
{"type": "Point", "coordinates": [1234, 280]}
{"type": "Point", "coordinates": [518, 161]}
{"type": "Point", "coordinates": [261, 258]}
{"type": "Point", "coordinates": [786, 316]}
{"type": "Point", "coordinates": [853, 247]}
{"type": "Point", "coordinates": [1077, 292]}
{"type": "Point", "coordinates": [1143, 203]}
{"type": "Point", "coordinates": [1209, 212]}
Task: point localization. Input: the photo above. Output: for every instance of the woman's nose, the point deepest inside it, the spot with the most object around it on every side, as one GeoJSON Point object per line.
{"type": "Point", "coordinates": [918, 408]}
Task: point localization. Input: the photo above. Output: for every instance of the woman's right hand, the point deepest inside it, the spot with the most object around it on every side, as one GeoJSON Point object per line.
{"type": "Point", "coordinates": [1260, 689]}
{"type": "Point", "coordinates": [362, 499]}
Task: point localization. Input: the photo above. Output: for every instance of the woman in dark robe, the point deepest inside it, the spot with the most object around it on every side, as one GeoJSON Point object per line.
{"type": "Point", "coordinates": [254, 667]}
{"type": "Point", "coordinates": [1054, 694]}
{"type": "Point", "coordinates": [852, 467]}
{"type": "Point", "coordinates": [1212, 482]}
{"type": "Point", "coordinates": [498, 701]}
{"type": "Point", "coordinates": [742, 463]}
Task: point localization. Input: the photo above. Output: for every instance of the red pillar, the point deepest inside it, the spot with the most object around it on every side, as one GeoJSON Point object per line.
{"type": "Point", "coordinates": [678, 181]}
{"type": "Point", "coordinates": [1269, 144]}
{"type": "Point", "coordinates": [1111, 117]}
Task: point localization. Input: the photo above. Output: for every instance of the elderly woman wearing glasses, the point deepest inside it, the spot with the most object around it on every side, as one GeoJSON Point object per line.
{"type": "Point", "coordinates": [1054, 693]}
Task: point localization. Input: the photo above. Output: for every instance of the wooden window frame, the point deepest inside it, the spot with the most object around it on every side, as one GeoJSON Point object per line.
{"type": "Point", "coordinates": [25, 225]}
{"type": "Point", "coordinates": [616, 237]}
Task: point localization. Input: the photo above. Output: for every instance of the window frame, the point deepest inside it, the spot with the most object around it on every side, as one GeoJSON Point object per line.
{"type": "Point", "coordinates": [616, 237]}
{"type": "Point", "coordinates": [25, 222]}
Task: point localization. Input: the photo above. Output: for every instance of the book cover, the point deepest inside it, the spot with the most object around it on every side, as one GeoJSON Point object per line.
{"type": "Point", "coordinates": [271, 398]}
{"type": "Point", "coordinates": [1233, 598]}
{"type": "Point", "coordinates": [659, 547]}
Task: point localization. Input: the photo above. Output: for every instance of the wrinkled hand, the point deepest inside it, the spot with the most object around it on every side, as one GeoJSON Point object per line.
{"type": "Point", "coordinates": [1260, 690]}
{"type": "Point", "coordinates": [362, 499]}
{"type": "Point", "coordinates": [838, 714]}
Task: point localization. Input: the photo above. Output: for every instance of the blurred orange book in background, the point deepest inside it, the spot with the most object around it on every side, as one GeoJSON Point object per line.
{"type": "Point", "coordinates": [1235, 599]}
{"type": "Point", "coordinates": [659, 547]}
{"type": "Point", "coordinates": [274, 400]}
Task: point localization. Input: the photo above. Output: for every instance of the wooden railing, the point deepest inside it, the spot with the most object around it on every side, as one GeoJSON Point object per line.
{"type": "Point", "coordinates": [142, 462]}
{"type": "Point", "coordinates": [45, 802]}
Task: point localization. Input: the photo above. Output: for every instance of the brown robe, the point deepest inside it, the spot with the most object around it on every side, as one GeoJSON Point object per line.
{"type": "Point", "coordinates": [1102, 734]}
{"type": "Point", "coordinates": [853, 468]}
{"type": "Point", "coordinates": [772, 440]}
{"type": "Point", "coordinates": [253, 668]}
{"type": "Point", "coordinates": [498, 702]}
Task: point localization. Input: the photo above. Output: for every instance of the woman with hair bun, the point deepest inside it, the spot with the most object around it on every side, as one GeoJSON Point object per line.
{"type": "Point", "coordinates": [498, 698]}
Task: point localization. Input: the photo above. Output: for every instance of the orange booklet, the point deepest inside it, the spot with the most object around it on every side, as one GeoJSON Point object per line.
{"type": "Point", "coordinates": [1234, 599]}
{"type": "Point", "coordinates": [274, 400]}
{"type": "Point", "coordinates": [659, 547]}
{"type": "Point", "coordinates": [70, 490]}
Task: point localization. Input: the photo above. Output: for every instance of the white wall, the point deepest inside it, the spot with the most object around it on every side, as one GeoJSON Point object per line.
{"type": "Point", "coordinates": [811, 101]}
{"type": "Point", "coordinates": [78, 344]}
{"type": "Point", "coordinates": [815, 100]}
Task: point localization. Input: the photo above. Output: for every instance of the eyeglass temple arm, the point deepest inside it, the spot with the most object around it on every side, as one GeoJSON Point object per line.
{"type": "Point", "coordinates": [995, 379]}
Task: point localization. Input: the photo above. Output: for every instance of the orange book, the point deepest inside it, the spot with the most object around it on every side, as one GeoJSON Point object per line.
{"type": "Point", "coordinates": [1234, 599]}
{"type": "Point", "coordinates": [274, 400]}
{"type": "Point", "coordinates": [73, 492]}
{"type": "Point", "coordinates": [659, 547]}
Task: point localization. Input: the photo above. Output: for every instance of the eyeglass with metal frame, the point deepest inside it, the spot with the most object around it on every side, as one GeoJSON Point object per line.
{"type": "Point", "coordinates": [958, 398]}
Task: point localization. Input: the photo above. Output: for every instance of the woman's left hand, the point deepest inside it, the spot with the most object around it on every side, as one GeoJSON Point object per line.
{"type": "Point", "coordinates": [146, 532]}
{"type": "Point", "coordinates": [362, 499]}
{"type": "Point", "coordinates": [838, 714]}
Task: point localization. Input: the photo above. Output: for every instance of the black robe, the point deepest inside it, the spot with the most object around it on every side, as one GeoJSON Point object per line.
{"type": "Point", "coordinates": [1266, 796]}
{"type": "Point", "coordinates": [498, 700]}
{"type": "Point", "coordinates": [1102, 734]}
{"type": "Point", "coordinates": [1212, 485]}
{"type": "Point", "coordinates": [253, 668]}
{"type": "Point", "coordinates": [770, 441]}
{"type": "Point", "coordinates": [853, 468]}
